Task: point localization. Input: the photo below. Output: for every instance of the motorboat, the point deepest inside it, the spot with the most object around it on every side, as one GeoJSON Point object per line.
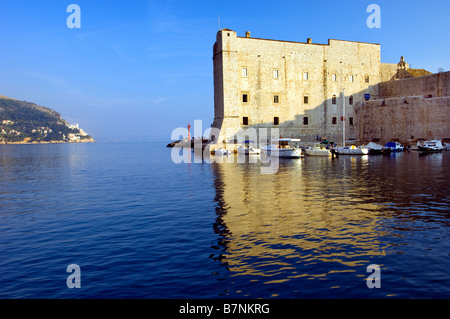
{"type": "Point", "coordinates": [247, 148]}
{"type": "Point", "coordinates": [377, 149]}
{"type": "Point", "coordinates": [318, 150]}
{"type": "Point", "coordinates": [431, 146]}
{"type": "Point", "coordinates": [283, 147]}
{"type": "Point", "coordinates": [446, 146]}
{"type": "Point", "coordinates": [221, 151]}
{"type": "Point", "coordinates": [395, 146]}
{"type": "Point", "coordinates": [351, 150]}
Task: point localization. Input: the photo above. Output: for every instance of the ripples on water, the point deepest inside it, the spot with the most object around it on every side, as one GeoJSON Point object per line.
{"type": "Point", "coordinates": [141, 226]}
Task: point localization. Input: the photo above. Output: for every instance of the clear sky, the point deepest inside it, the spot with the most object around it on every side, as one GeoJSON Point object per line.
{"type": "Point", "coordinates": [136, 70]}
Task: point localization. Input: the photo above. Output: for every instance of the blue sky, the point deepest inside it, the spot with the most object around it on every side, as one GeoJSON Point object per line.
{"type": "Point", "coordinates": [136, 70]}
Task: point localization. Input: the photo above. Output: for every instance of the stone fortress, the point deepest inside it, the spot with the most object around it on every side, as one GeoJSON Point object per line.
{"type": "Point", "coordinates": [301, 89]}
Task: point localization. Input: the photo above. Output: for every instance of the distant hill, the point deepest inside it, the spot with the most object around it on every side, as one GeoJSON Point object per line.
{"type": "Point", "coordinates": [26, 122]}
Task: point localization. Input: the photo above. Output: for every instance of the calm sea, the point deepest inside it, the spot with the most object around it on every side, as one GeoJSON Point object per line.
{"type": "Point", "coordinates": [140, 226]}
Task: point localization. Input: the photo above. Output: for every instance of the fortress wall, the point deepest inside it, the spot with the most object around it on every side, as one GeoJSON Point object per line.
{"type": "Point", "coordinates": [330, 69]}
{"type": "Point", "coordinates": [434, 85]}
{"type": "Point", "coordinates": [405, 119]}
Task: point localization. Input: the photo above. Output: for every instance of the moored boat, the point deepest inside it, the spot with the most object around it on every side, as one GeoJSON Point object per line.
{"type": "Point", "coordinates": [247, 148]}
{"type": "Point", "coordinates": [284, 147]}
{"type": "Point", "coordinates": [221, 151]}
{"type": "Point", "coordinates": [395, 146]}
{"type": "Point", "coordinates": [377, 149]}
{"type": "Point", "coordinates": [318, 150]}
{"type": "Point", "coordinates": [432, 146]}
{"type": "Point", "coordinates": [351, 150]}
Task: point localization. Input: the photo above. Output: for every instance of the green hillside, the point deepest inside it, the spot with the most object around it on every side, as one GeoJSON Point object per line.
{"type": "Point", "coordinates": [29, 122]}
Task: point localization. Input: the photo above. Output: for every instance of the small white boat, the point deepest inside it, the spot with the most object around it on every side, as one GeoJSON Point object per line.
{"type": "Point", "coordinates": [283, 148]}
{"type": "Point", "coordinates": [247, 148]}
{"type": "Point", "coordinates": [351, 150]}
{"type": "Point", "coordinates": [221, 151]}
{"type": "Point", "coordinates": [431, 146]}
{"type": "Point", "coordinates": [377, 149]}
{"type": "Point", "coordinates": [318, 150]}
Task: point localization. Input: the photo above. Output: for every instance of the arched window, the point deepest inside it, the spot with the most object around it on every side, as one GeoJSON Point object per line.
{"type": "Point", "coordinates": [333, 99]}
{"type": "Point", "coordinates": [350, 100]}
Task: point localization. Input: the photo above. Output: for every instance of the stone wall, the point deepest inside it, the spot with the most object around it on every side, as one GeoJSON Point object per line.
{"type": "Point", "coordinates": [434, 85]}
{"type": "Point", "coordinates": [279, 68]}
{"type": "Point", "coordinates": [405, 119]}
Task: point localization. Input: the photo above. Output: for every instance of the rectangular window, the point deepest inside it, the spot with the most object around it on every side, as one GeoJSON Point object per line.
{"type": "Point", "coordinates": [276, 99]}
{"type": "Point", "coordinates": [245, 120]}
{"type": "Point", "coordinates": [366, 79]}
{"type": "Point", "coordinates": [245, 98]}
{"type": "Point", "coordinates": [334, 120]}
{"type": "Point", "coordinates": [351, 78]}
{"type": "Point", "coordinates": [275, 74]}
{"type": "Point", "coordinates": [333, 99]}
{"type": "Point", "coordinates": [244, 72]}
{"type": "Point", "coordinates": [306, 99]}
{"type": "Point", "coordinates": [305, 75]}
{"type": "Point", "coordinates": [350, 120]}
{"type": "Point", "coordinates": [276, 120]}
{"type": "Point", "coordinates": [334, 77]}
{"type": "Point", "coordinates": [305, 120]}
{"type": "Point", "coordinates": [350, 100]}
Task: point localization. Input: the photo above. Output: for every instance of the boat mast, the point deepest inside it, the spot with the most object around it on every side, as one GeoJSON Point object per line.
{"type": "Point", "coordinates": [343, 117]}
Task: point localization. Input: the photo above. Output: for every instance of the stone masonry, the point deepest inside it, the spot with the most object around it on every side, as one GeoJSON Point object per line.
{"type": "Point", "coordinates": [301, 88]}
{"type": "Point", "coordinates": [294, 86]}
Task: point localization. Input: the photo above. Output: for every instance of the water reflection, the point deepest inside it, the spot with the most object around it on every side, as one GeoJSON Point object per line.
{"type": "Point", "coordinates": [321, 217]}
{"type": "Point", "coordinates": [280, 227]}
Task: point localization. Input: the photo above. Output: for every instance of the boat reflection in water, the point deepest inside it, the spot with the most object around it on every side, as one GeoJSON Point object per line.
{"type": "Point", "coordinates": [313, 228]}
{"type": "Point", "coordinates": [294, 225]}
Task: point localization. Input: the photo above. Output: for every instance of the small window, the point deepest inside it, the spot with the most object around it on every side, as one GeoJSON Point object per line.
{"type": "Point", "coordinates": [334, 120]}
{"type": "Point", "coordinates": [351, 79]}
{"type": "Point", "coordinates": [333, 99]}
{"type": "Point", "coordinates": [276, 120]}
{"type": "Point", "coordinates": [305, 75]}
{"type": "Point", "coordinates": [305, 120]}
{"type": "Point", "coordinates": [245, 98]}
{"type": "Point", "coordinates": [334, 77]}
{"type": "Point", "coordinates": [276, 98]}
{"type": "Point", "coordinates": [350, 100]}
{"type": "Point", "coordinates": [245, 120]}
{"type": "Point", "coordinates": [366, 79]}
{"type": "Point", "coordinates": [306, 99]}
{"type": "Point", "coordinates": [275, 74]}
{"type": "Point", "coordinates": [350, 120]}
{"type": "Point", "coordinates": [244, 72]}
